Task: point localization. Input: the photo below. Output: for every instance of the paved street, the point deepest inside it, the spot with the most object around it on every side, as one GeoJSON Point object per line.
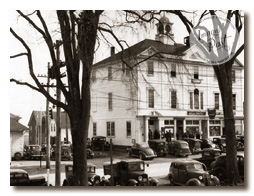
{"type": "Point", "coordinates": [157, 168]}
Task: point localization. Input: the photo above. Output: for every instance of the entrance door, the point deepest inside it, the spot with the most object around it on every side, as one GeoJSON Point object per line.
{"type": "Point", "coordinates": [179, 129]}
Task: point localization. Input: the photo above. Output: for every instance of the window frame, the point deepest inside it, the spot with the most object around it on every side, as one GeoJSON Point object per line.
{"type": "Point", "coordinates": [217, 102]}
{"type": "Point", "coordinates": [173, 99]}
{"type": "Point", "coordinates": [110, 129]}
{"type": "Point", "coordinates": [150, 68]}
{"type": "Point", "coordinates": [128, 128]}
{"type": "Point", "coordinates": [150, 98]}
{"type": "Point", "coordinates": [110, 101]}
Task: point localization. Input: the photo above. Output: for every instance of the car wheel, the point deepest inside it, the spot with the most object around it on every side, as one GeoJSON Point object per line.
{"type": "Point", "coordinates": [17, 156]}
{"type": "Point", "coordinates": [220, 173]}
{"type": "Point", "coordinates": [170, 178]}
{"type": "Point", "coordinates": [140, 156]}
{"type": "Point", "coordinates": [65, 183]}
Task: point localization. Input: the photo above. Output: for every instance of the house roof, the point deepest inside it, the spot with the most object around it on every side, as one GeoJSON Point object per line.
{"type": "Point", "coordinates": [176, 49]}
{"type": "Point", "coordinates": [15, 125]}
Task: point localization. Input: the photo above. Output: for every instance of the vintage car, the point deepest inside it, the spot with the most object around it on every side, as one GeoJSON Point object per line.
{"type": "Point", "coordinates": [190, 173]}
{"type": "Point", "coordinates": [194, 145]}
{"type": "Point", "coordinates": [93, 178]}
{"type": "Point", "coordinates": [99, 143]}
{"type": "Point", "coordinates": [208, 143]}
{"type": "Point", "coordinates": [67, 152]}
{"type": "Point", "coordinates": [19, 177]}
{"type": "Point", "coordinates": [179, 148]}
{"type": "Point", "coordinates": [208, 156]}
{"type": "Point", "coordinates": [32, 152]}
{"type": "Point", "coordinates": [240, 143]}
{"type": "Point", "coordinates": [142, 151]}
{"type": "Point", "coordinates": [221, 142]}
{"type": "Point", "coordinates": [129, 173]}
{"type": "Point", "coordinates": [218, 167]}
{"type": "Point", "coordinates": [159, 146]}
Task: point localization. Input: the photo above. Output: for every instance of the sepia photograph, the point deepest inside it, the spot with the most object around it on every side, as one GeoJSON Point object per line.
{"type": "Point", "coordinates": [122, 98]}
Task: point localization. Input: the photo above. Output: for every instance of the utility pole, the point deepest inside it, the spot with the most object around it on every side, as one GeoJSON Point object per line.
{"type": "Point", "coordinates": [58, 129]}
{"type": "Point", "coordinates": [48, 131]}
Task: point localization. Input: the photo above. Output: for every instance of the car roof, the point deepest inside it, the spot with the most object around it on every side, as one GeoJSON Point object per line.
{"type": "Point", "coordinates": [211, 149]}
{"type": "Point", "coordinates": [180, 141]}
{"type": "Point", "coordinates": [17, 171]}
{"type": "Point", "coordinates": [192, 139]}
{"type": "Point", "coordinates": [185, 161]}
{"type": "Point", "coordinates": [157, 141]}
{"type": "Point", "coordinates": [88, 164]}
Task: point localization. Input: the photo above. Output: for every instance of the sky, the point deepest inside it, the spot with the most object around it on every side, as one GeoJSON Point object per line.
{"type": "Point", "coordinates": [20, 100]}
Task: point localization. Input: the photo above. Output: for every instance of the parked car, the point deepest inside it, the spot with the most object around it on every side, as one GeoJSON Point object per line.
{"type": "Point", "coordinates": [194, 145]}
{"type": "Point", "coordinates": [159, 146]}
{"type": "Point", "coordinates": [19, 177]}
{"type": "Point", "coordinates": [191, 173]}
{"type": "Point", "coordinates": [240, 143]}
{"type": "Point", "coordinates": [32, 152]}
{"type": "Point", "coordinates": [142, 151]}
{"type": "Point", "coordinates": [93, 178]}
{"type": "Point", "coordinates": [208, 143]}
{"type": "Point", "coordinates": [129, 173]}
{"type": "Point", "coordinates": [99, 143]}
{"type": "Point", "coordinates": [67, 152]}
{"type": "Point", "coordinates": [219, 167]}
{"type": "Point", "coordinates": [208, 156]}
{"type": "Point", "coordinates": [221, 142]}
{"type": "Point", "coordinates": [179, 148]}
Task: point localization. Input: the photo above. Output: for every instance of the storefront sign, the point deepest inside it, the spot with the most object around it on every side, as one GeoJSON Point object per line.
{"type": "Point", "coordinates": [195, 113]}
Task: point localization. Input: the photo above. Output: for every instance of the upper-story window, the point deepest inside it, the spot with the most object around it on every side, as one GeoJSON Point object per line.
{"type": "Point", "coordinates": [94, 129]}
{"type": "Point", "coordinates": [150, 68]}
{"type": "Point", "coordinates": [109, 73]}
{"type": "Point", "coordinates": [217, 101]}
{"type": "Point", "coordinates": [110, 101]}
{"type": "Point", "coordinates": [196, 74]}
{"type": "Point", "coordinates": [197, 100]}
{"type": "Point", "coordinates": [128, 128]}
{"type": "Point", "coordinates": [234, 101]}
{"type": "Point", "coordinates": [233, 75]}
{"type": "Point", "coordinates": [173, 70]}
{"type": "Point", "coordinates": [173, 99]}
{"type": "Point", "coordinates": [151, 98]}
{"type": "Point", "coordinates": [126, 69]}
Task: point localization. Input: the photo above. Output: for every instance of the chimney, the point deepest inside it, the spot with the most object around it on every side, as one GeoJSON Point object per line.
{"type": "Point", "coordinates": [112, 50]}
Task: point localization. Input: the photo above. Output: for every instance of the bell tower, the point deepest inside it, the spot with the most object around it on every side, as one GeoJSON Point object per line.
{"type": "Point", "coordinates": [164, 31]}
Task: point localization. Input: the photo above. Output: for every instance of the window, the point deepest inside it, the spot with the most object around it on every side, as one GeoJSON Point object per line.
{"type": "Point", "coordinates": [195, 72]}
{"type": "Point", "coordinates": [168, 122]}
{"type": "Point", "coordinates": [110, 73]}
{"type": "Point", "coordinates": [216, 101]}
{"type": "Point", "coordinates": [151, 98]}
{"type": "Point", "coordinates": [191, 100]}
{"type": "Point", "coordinates": [234, 101]}
{"type": "Point", "coordinates": [150, 68]}
{"type": "Point", "coordinates": [94, 129]}
{"type": "Point", "coordinates": [110, 129]}
{"type": "Point", "coordinates": [126, 69]}
{"type": "Point", "coordinates": [197, 100]}
{"type": "Point", "coordinates": [110, 102]}
{"type": "Point", "coordinates": [233, 75]}
{"type": "Point", "coordinates": [173, 99]}
{"type": "Point", "coordinates": [128, 129]}
{"type": "Point", "coordinates": [173, 70]}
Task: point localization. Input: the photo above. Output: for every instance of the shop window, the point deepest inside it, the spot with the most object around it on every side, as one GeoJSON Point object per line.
{"type": "Point", "coordinates": [214, 131]}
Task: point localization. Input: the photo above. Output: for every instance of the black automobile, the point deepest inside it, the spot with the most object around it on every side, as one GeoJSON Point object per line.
{"type": "Point", "coordinates": [194, 145]}
{"type": "Point", "coordinates": [142, 151]}
{"type": "Point", "coordinates": [179, 148]}
{"type": "Point", "coordinates": [99, 143]}
{"type": "Point", "coordinates": [190, 173]}
{"type": "Point", "coordinates": [19, 177]}
{"type": "Point", "coordinates": [159, 146]}
{"type": "Point", "coordinates": [208, 156]}
{"type": "Point", "coordinates": [208, 143]}
{"type": "Point", "coordinates": [219, 166]}
{"type": "Point", "coordinates": [221, 142]}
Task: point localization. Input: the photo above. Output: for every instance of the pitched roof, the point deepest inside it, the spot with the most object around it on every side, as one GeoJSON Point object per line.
{"type": "Point", "coordinates": [176, 49]}
{"type": "Point", "coordinates": [15, 125]}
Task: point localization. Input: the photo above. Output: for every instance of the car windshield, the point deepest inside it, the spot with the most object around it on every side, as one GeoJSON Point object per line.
{"type": "Point", "coordinates": [195, 167]}
{"type": "Point", "coordinates": [143, 145]}
{"type": "Point", "coordinates": [136, 166]}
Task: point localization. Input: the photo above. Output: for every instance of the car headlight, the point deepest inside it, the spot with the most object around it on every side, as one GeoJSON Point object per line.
{"type": "Point", "coordinates": [200, 177]}
{"type": "Point", "coordinates": [149, 179]}
{"type": "Point", "coordinates": [211, 176]}
{"type": "Point", "coordinates": [140, 178]}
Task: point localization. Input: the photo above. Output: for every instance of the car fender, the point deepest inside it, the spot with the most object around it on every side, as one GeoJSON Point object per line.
{"type": "Point", "coordinates": [194, 181]}
{"type": "Point", "coordinates": [132, 182]}
{"type": "Point", "coordinates": [214, 181]}
{"type": "Point", "coordinates": [154, 182]}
